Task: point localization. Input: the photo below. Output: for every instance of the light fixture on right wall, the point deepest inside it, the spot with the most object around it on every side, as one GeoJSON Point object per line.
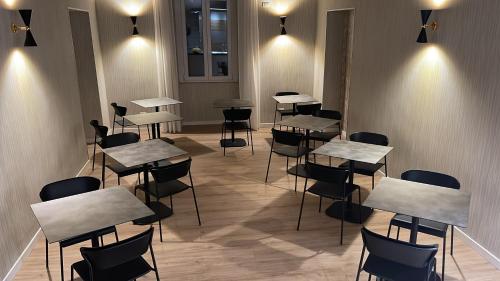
{"type": "Point", "coordinates": [134, 22]}
{"type": "Point", "coordinates": [422, 37]}
{"type": "Point", "coordinates": [282, 25]}
{"type": "Point", "coordinates": [29, 40]}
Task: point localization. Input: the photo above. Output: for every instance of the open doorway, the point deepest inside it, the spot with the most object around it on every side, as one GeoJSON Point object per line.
{"type": "Point", "coordinates": [338, 54]}
{"type": "Point", "coordinates": [86, 69]}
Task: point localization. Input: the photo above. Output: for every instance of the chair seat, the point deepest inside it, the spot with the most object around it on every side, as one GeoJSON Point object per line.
{"type": "Point", "coordinates": [323, 136]}
{"type": "Point", "coordinates": [124, 123]}
{"type": "Point", "coordinates": [86, 237]}
{"type": "Point", "coordinates": [127, 271]}
{"type": "Point", "coordinates": [389, 270]}
{"type": "Point", "coordinates": [121, 170]}
{"type": "Point", "coordinates": [237, 125]}
{"type": "Point", "coordinates": [290, 151]}
{"type": "Point", "coordinates": [362, 168]}
{"type": "Point", "coordinates": [425, 226]}
{"type": "Point", "coordinates": [165, 189]}
{"type": "Point", "coordinates": [332, 191]}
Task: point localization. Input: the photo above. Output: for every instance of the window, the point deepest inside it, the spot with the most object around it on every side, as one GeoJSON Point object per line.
{"type": "Point", "coordinates": [205, 40]}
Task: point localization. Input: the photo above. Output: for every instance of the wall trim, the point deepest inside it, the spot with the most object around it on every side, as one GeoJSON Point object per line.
{"type": "Point", "coordinates": [11, 274]}
{"type": "Point", "coordinates": [490, 257]}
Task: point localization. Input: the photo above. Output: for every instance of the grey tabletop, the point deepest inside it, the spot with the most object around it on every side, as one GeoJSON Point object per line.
{"type": "Point", "coordinates": [294, 99]}
{"type": "Point", "coordinates": [436, 203]}
{"type": "Point", "coordinates": [143, 152]}
{"type": "Point", "coordinates": [148, 103]}
{"type": "Point", "coordinates": [350, 150]}
{"type": "Point", "coordinates": [308, 122]}
{"type": "Point", "coordinates": [68, 217]}
{"type": "Point", "coordinates": [152, 118]}
{"type": "Point", "coordinates": [228, 103]}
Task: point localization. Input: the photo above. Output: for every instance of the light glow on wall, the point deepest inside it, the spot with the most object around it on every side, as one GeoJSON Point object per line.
{"type": "Point", "coordinates": [9, 3]}
{"type": "Point", "coordinates": [132, 7]}
{"type": "Point", "coordinates": [281, 7]}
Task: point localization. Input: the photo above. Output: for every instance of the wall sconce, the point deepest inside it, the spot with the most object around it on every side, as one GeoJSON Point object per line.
{"type": "Point", "coordinates": [29, 41]}
{"type": "Point", "coordinates": [422, 37]}
{"type": "Point", "coordinates": [134, 23]}
{"type": "Point", "coordinates": [282, 25]}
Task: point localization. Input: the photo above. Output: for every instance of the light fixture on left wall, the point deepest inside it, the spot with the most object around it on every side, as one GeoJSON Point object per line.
{"type": "Point", "coordinates": [29, 40]}
{"type": "Point", "coordinates": [422, 36]}
{"type": "Point", "coordinates": [135, 31]}
{"type": "Point", "coordinates": [282, 25]}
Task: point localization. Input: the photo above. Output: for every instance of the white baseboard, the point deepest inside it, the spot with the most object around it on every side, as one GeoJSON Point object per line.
{"type": "Point", "coordinates": [27, 251]}
{"type": "Point", "coordinates": [490, 257]}
{"type": "Point", "coordinates": [197, 123]}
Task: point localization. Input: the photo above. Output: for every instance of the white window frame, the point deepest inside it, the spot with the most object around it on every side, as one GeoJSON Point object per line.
{"type": "Point", "coordinates": [207, 44]}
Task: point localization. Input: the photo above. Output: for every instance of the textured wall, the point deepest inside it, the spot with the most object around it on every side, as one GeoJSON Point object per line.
{"type": "Point", "coordinates": [86, 69]}
{"type": "Point", "coordinates": [42, 132]}
{"type": "Point", "coordinates": [438, 103]}
{"type": "Point", "coordinates": [129, 61]}
{"type": "Point", "coordinates": [287, 62]}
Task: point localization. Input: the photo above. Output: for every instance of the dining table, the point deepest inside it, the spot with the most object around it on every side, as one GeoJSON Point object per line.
{"type": "Point", "coordinates": [233, 104]}
{"type": "Point", "coordinates": [294, 100]}
{"type": "Point", "coordinates": [153, 118]}
{"type": "Point", "coordinates": [352, 151]}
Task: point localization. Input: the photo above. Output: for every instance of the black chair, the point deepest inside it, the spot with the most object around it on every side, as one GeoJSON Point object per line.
{"type": "Point", "coordinates": [290, 145]}
{"type": "Point", "coordinates": [65, 188]}
{"type": "Point", "coordinates": [281, 110]}
{"type": "Point", "coordinates": [327, 135]}
{"type": "Point", "coordinates": [121, 261]}
{"type": "Point", "coordinates": [166, 184]}
{"type": "Point", "coordinates": [427, 226]}
{"type": "Point", "coordinates": [368, 169]}
{"type": "Point", "coordinates": [117, 168]}
{"type": "Point", "coordinates": [308, 109]}
{"type": "Point", "coordinates": [330, 183]}
{"type": "Point", "coordinates": [394, 260]}
{"type": "Point", "coordinates": [120, 112]}
{"type": "Point", "coordinates": [100, 132]}
{"type": "Point", "coordinates": [238, 120]}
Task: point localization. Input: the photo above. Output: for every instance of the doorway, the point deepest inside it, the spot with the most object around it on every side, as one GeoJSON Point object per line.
{"type": "Point", "coordinates": [86, 70]}
{"type": "Point", "coordinates": [338, 55]}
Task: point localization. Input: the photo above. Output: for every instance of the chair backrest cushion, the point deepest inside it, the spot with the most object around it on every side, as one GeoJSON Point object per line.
{"type": "Point", "coordinates": [237, 114]}
{"type": "Point", "coordinates": [119, 139]}
{"type": "Point", "coordinates": [112, 255]}
{"type": "Point", "coordinates": [370, 138]}
{"type": "Point", "coordinates": [432, 178]}
{"type": "Point", "coordinates": [119, 110]}
{"type": "Point", "coordinates": [171, 172]}
{"type": "Point", "coordinates": [326, 173]}
{"type": "Point", "coordinates": [329, 114]}
{"type": "Point", "coordinates": [287, 138]}
{"type": "Point", "coordinates": [279, 94]}
{"type": "Point", "coordinates": [69, 187]}
{"type": "Point", "coordinates": [308, 109]}
{"type": "Point", "coordinates": [400, 252]}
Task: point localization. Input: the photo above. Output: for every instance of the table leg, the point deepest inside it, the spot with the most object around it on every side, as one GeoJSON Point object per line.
{"type": "Point", "coordinates": [158, 124]}
{"type": "Point", "coordinates": [153, 129]}
{"type": "Point", "coordinates": [307, 145]}
{"type": "Point", "coordinates": [233, 142]}
{"type": "Point", "coordinates": [294, 110]}
{"type": "Point", "coordinates": [414, 230]}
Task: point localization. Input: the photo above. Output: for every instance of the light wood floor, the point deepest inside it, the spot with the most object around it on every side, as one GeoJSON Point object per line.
{"type": "Point", "coordinates": [248, 227]}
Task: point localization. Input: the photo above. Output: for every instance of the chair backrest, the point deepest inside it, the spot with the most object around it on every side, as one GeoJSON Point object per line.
{"type": "Point", "coordinates": [119, 110]}
{"type": "Point", "coordinates": [431, 178]}
{"type": "Point", "coordinates": [171, 172]}
{"type": "Point", "coordinates": [112, 255]}
{"type": "Point", "coordinates": [69, 187]}
{"type": "Point", "coordinates": [326, 173]}
{"type": "Point", "coordinates": [416, 256]}
{"type": "Point", "coordinates": [370, 138]}
{"type": "Point", "coordinates": [237, 114]}
{"type": "Point", "coordinates": [100, 131]}
{"type": "Point", "coordinates": [287, 138]}
{"type": "Point", "coordinates": [329, 114]}
{"type": "Point", "coordinates": [279, 94]}
{"type": "Point", "coordinates": [308, 109]}
{"type": "Point", "coordinates": [119, 139]}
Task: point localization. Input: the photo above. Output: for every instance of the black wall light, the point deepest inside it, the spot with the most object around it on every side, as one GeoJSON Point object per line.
{"type": "Point", "coordinates": [134, 22]}
{"type": "Point", "coordinates": [29, 41]}
{"type": "Point", "coordinates": [282, 25]}
{"type": "Point", "coordinates": [425, 14]}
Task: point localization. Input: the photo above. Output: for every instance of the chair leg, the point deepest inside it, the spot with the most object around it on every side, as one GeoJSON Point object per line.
{"type": "Point", "coordinates": [397, 235]}
{"type": "Point", "coordinates": [118, 180]}
{"type": "Point", "coordinates": [171, 203]}
{"type": "Point", "coordinates": [103, 171]}
{"type": "Point", "coordinates": [224, 143]}
{"type": "Point", "coordinates": [360, 262]}
{"type": "Point", "coordinates": [113, 129]}
{"type": "Point", "coordinates": [444, 257]}
{"type": "Point", "coordinates": [330, 160]}
{"type": "Point", "coordinates": [93, 157]}
{"type": "Point", "coordinates": [320, 199]}
{"type": "Point", "coordinates": [46, 253]}
{"type": "Point", "coordinates": [296, 172]}
{"type": "Point", "coordinates": [149, 133]}
{"type": "Point", "coordinates": [196, 206]}
{"type": "Point", "coordinates": [251, 139]}
{"type": "Point", "coordinates": [389, 231]}
{"type": "Point", "coordinates": [369, 277]}
{"type": "Point", "coordinates": [139, 131]}
{"type": "Point", "coordinates": [248, 138]}
{"type": "Point", "coordinates": [269, 163]}
{"type": "Point", "coordinates": [123, 124]}
{"type": "Point", "coordinates": [452, 239]}
{"type": "Point", "coordinates": [359, 206]}
{"type": "Point", "coordinates": [161, 232]}
{"type": "Point", "coordinates": [62, 262]}
{"type": "Point", "coordinates": [102, 241]}
{"type": "Point", "coordinates": [72, 273]}
{"type": "Point", "coordinates": [342, 223]}
{"type": "Point", "coordinates": [302, 205]}
{"type": "Point", "coordinates": [116, 236]}
{"type": "Point", "coordinates": [373, 181]}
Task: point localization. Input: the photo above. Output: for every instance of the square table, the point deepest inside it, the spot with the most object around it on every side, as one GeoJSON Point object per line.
{"type": "Point", "coordinates": [144, 153]}
{"type": "Point", "coordinates": [308, 123]}
{"type": "Point", "coordinates": [84, 213]}
{"type": "Point", "coordinates": [152, 119]}
{"type": "Point", "coordinates": [232, 104]}
{"type": "Point", "coordinates": [156, 103]}
{"type": "Point", "coordinates": [352, 151]}
{"type": "Point", "coordinates": [294, 100]}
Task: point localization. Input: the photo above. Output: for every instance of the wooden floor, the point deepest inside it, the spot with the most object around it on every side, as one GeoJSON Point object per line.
{"type": "Point", "coordinates": [248, 227]}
